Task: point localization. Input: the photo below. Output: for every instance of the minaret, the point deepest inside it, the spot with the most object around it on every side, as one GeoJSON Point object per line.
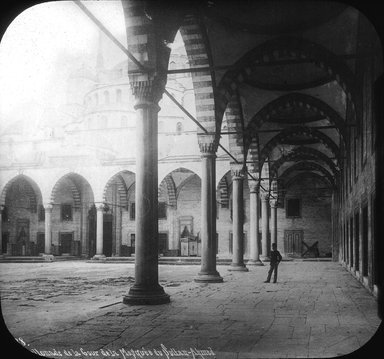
{"type": "Point", "coordinates": [100, 69]}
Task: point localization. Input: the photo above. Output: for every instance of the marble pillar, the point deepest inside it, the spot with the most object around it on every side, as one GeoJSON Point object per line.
{"type": "Point", "coordinates": [48, 228]}
{"type": "Point", "coordinates": [254, 188]}
{"type": "Point", "coordinates": [237, 264]}
{"type": "Point", "coordinates": [146, 289]}
{"type": "Point", "coordinates": [1, 231]}
{"type": "Point", "coordinates": [273, 204]}
{"type": "Point", "coordinates": [208, 272]}
{"type": "Point", "coordinates": [99, 231]}
{"type": "Point", "coordinates": [264, 226]}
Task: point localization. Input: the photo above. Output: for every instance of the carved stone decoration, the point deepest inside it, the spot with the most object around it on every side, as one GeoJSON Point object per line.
{"type": "Point", "coordinates": [264, 196]}
{"type": "Point", "coordinates": [147, 91]}
{"type": "Point", "coordinates": [273, 203]}
{"type": "Point", "coordinates": [207, 144]}
{"type": "Point", "coordinates": [254, 186]}
{"type": "Point", "coordinates": [238, 171]}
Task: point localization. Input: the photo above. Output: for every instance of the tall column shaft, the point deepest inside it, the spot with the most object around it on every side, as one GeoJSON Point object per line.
{"type": "Point", "coordinates": [237, 220]}
{"type": "Point", "coordinates": [99, 229]}
{"type": "Point", "coordinates": [208, 272]}
{"type": "Point", "coordinates": [48, 228]}
{"type": "Point", "coordinates": [264, 226]}
{"type": "Point", "coordinates": [254, 223]}
{"type": "Point", "coordinates": [273, 204]}
{"type": "Point", "coordinates": [146, 289]}
{"type": "Point", "coordinates": [1, 231]}
{"type": "Point", "coordinates": [84, 230]}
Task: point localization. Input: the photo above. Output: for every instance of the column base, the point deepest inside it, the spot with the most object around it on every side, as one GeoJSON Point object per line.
{"type": "Point", "coordinates": [48, 257]}
{"type": "Point", "coordinates": [99, 257]}
{"type": "Point", "coordinates": [204, 277]}
{"type": "Point", "coordinates": [253, 262]}
{"type": "Point", "coordinates": [265, 259]}
{"type": "Point", "coordinates": [138, 295]}
{"type": "Point", "coordinates": [238, 268]}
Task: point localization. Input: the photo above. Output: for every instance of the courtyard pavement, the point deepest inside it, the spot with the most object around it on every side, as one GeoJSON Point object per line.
{"type": "Point", "coordinates": [74, 309]}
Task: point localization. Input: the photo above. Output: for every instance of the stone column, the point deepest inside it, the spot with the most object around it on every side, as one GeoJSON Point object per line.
{"type": "Point", "coordinates": [48, 228]}
{"type": "Point", "coordinates": [273, 204]}
{"type": "Point", "coordinates": [208, 272]}
{"type": "Point", "coordinates": [237, 219]}
{"type": "Point", "coordinates": [99, 231]}
{"type": "Point", "coordinates": [84, 230]}
{"type": "Point", "coordinates": [254, 223]}
{"type": "Point", "coordinates": [264, 226]}
{"type": "Point", "coordinates": [146, 289]}
{"type": "Point", "coordinates": [1, 231]}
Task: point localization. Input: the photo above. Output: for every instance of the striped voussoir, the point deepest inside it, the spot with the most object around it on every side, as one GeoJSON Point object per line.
{"type": "Point", "coordinates": [224, 195]}
{"type": "Point", "coordinates": [196, 49]}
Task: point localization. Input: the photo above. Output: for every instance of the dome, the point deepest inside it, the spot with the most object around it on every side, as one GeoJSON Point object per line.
{"type": "Point", "coordinates": [84, 72]}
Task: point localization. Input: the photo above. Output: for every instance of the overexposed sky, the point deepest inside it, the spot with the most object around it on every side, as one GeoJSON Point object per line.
{"type": "Point", "coordinates": [43, 45]}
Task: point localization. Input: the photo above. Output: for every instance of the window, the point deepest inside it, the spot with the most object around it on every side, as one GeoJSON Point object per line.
{"type": "Point", "coordinates": [4, 214]}
{"type": "Point", "coordinates": [132, 212]}
{"type": "Point", "coordinates": [66, 212]}
{"type": "Point", "coordinates": [179, 128]}
{"type": "Point", "coordinates": [133, 239]}
{"type": "Point", "coordinates": [162, 210]}
{"type": "Point", "coordinates": [41, 213]}
{"type": "Point", "coordinates": [106, 97]}
{"type": "Point", "coordinates": [124, 121]}
{"type": "Point", "coordinates": [118, 95]}
{"type": "Point", "coordinates": [293, 207]}
{"type": "Point", "coordinates": [103, 122]}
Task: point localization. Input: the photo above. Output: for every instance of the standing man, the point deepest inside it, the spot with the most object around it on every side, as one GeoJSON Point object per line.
{"type": "Point", "coordinates": [275, 260]}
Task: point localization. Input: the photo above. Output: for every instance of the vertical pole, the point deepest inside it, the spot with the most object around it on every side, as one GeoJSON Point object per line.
{"type": "Point", "coordinates": [146, 289]}
{"type": "Point", "coordinates": [1, 231]}
{"type": "Point", "coordinates": [48, 228]}
{"type": "Point", "coordinates": [208, 272]}
{"type": "Point", "coordinates": [238, 219]}
{"type": "Point", "coordinates": [254, 223]}
{"type": "Point", "coordinates": [264, 226]}
{"type": "Point", "coordinates": [99, 231]}
{"type": "Point", "coordinates": [273, 204]}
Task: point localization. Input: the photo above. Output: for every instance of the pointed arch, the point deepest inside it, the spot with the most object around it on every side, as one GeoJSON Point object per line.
{"type": "Point", "coordinates": [284, 135]}
{"type": "Point", "coordinates": [302, 153]}
{"type": "Point", "coordinates": [309, 167]}
{"type": "Point", "coordinates": [32, 190]}
{"type": "Point", "coordinates": [281, 47]}
{"type": "Point", "coordinates": [300, 101]}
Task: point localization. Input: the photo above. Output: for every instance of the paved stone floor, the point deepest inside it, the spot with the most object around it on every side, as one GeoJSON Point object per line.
{"type": "Point", "coordinates": [317, 309]}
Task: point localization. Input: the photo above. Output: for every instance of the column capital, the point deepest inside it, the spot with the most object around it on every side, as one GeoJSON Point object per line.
{"type": "Point", "coordinates": [264, 196]}
{"type": "Point", "coordinates": [273, 202]}
{"type": "Point", "coordinates": [48, 206]}
{"type": "Point", "coordinates": [254, 186]}
{"type": "Point", "coordinates": [99, 206]}
{"type": "Point", "coordinates": [147, 91]}
{"type": "Point", "coordinates": [207, 144]}
{"type": "Point", "coordinates": [238, 171]}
